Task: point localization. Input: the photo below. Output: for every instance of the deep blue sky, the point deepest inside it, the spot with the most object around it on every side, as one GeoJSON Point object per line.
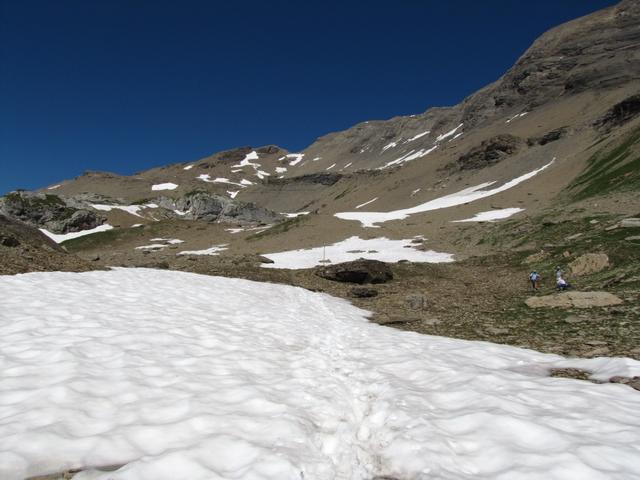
{"type": "Point", "coordinates": [125, 85]}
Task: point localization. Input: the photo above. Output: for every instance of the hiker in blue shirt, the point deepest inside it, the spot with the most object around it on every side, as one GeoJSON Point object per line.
{"type": "Point", "coordinates": [534, 278]}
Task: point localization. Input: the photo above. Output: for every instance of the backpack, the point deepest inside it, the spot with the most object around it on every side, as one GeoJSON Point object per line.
{"type": "Point", "coordinates": [533, 276]}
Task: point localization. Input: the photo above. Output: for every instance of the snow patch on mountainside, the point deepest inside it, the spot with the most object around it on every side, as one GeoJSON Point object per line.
{"type": "Point", "coordinates": [471, 194]}
{"type": "Point", "coordinates": [352, 248]}
{"type": "Point", "coordinates": [63, 237]}
{"type": "Point", "coordinates": [215, 250]}
{"type": "Point", "coordinates": [131, 209]}
{"type": "Point", "coordinates": [492, 215]}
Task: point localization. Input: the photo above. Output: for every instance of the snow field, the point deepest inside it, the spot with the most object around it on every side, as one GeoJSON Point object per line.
{"type": "Point", "coordinates": [181, 376]}
{"type": "Point", "coordinates": [492, 215]}
{"type": "Point", "coordinates": [354, 248]}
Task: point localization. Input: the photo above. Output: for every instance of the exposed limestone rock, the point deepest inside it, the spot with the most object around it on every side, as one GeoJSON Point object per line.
{"type": "Point", "coordinates": [488, 153]}
{"type": "Point", "coordinates": [47, 211]}
{"type": "Point", "coordinates": [589, 263]}
{"type": "Point", "coordinates": [620, 113]}
{"type": "Point", "coordinates": [574, 300]}
{"type": "Point", "coordinates": [215, 208]}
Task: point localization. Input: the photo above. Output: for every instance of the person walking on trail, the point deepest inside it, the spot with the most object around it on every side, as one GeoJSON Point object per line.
{"type": "Point", "coordinates": [562, 285]}
{"type": "Point", "coordinates": [534, 278]}
{"type": "Point", "coordinates": [559, 272]}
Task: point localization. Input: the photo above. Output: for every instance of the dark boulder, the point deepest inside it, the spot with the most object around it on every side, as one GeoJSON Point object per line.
{"type": "Point", "coordinates": [548, 137]}
{"type": "Point", "coordinates": [363, 292]}
{"type": "Point", "coordinates": [359, 271]}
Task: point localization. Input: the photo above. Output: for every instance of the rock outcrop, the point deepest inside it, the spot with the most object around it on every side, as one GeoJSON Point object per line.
{"type": "Point", "coordinates": [48, 211]}
{"type": "Point", "coordinates": [23, 248]}
{"type": "Point", "coordinates": [215, 208]}
{"type": "Point", "coordinates": [488, 153]}
{"type": "Point", "coordinates": [574, 300]}
{"type": "Point", "coordinates": [589, 263]}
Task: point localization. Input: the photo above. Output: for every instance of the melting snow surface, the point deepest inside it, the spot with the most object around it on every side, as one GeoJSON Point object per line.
{"type": "Point", "coordinates": [330, 167]}
{"type": "Point", "coordinates": [215, 250]}
{"type": "Point", "coordinates": [53, 187]}
{"type": "Point", "coordinates": [492, 215]}
{"type": "Point", "coordinates": [449, 133]}
{"type": "Point", "coordinates": [353, 248]}
{"type": "Point", "coordinates": [233, 194]}
{"type": "Point", "coordinates": [415, 137]}
{"type": "Point", "coordinates": [389, 145]}
{"type": "Point", "coordinates": [519, 115]}
{"type": "Point", "coordinates": [164, 186]}
{"type": "Point", "coordinates": [62, 237]}
{"type": "Point", "coordinates": [294, 215]}
{"type": "Point", "coordinates": [182, 376]}
{"type": "Point", "coordinates": [412, 155]}
{"type": "Point", "coordinates": [188, 167]}
{"type": "Point", "coordinates": [206, 178]}
{"type": "Point", "coordinates": [366, 203]}
{"type": "Point", "coordinates": [132, 209]}
{"type": "Point", "coordinates": [170, 241]}
{"type": "Point", "coordinates": [297, 158]}
{"type": "Point", "coordinates": [369, 219]}
{"type": "Point", "coordinates": [281, 169]}
{"type": "Point", "coordinates": [153, 246]}
{"type": "Point", "coordinates": [347, 165]}
{"type": "Point", "coordinates": [247, 161]}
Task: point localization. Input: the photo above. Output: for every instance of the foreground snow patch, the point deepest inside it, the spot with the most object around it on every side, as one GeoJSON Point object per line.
{"type": "Point", "coordinates": [492, 215]}
{"type": "Point", "coordinates": [63, 237]}
{"type": "Point", "coordinates": [181, 376]}
{"type": "Point", "coordinates": [354, 248]}
{"type": "Point", "coordinates": [471, 194]}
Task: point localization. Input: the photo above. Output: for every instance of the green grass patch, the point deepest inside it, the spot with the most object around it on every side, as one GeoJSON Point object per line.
{"type": "Point", "coordinates": [610, 169]}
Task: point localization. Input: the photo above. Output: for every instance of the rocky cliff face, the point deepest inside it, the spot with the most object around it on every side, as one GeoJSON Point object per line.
{"type": "Point", "coordinates": [48, 211]}
{"type": "Point", "coordinates": [597, 53]}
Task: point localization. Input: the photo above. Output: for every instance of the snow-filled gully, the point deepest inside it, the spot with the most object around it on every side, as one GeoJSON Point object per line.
{"type": "Point", "coordinates": [181, 376]}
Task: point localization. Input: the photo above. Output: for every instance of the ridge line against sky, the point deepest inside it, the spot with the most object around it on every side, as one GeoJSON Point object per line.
{"type": "Point", "coordinates": [126, 86]}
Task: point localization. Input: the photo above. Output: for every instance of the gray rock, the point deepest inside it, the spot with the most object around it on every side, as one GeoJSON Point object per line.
{"type": "Point", "coordinates": [589, 263]}
{"type": "Point", "coordinates": [215, 208]}
{"type": "Point", "coordinates": [416, 301]}
{"type": "Point", "coordinates": [47, 211]}
{"type": "Point", "coordinates": [363, 292]}
{"type": "Point", "coordinates": [574, 299]}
